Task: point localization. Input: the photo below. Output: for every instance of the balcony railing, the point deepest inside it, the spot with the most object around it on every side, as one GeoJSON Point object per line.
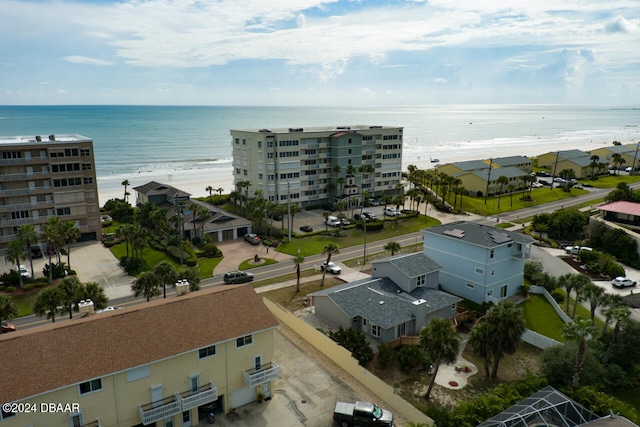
{"type": "Point", "coordinates": [159, 410]}
{"type": "Point", "coordinates": [205, 394]}
{"type": "Point", "coordinates": [266, 373]}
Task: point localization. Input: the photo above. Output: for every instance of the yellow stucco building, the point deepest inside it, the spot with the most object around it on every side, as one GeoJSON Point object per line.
{"type": "Point", "coordinates": [166, 363]}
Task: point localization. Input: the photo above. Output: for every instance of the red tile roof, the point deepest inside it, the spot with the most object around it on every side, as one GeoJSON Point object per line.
{"type": "Point", "coordinates": [629, 208]}
{"type": "Point", "coordinates": [36, 360]}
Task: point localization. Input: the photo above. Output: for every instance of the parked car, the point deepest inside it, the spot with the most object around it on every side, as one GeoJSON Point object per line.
{"type": "Point", "coordinates": [275, 216]}
{"type": "Point", "coordinates": [306, 228]}
{"type": "Point", "coordinates": [544, 182]}
{"type": "Point", "coordinates": [369, 215]}
{"type": "Point", "coordinates": [391, 212]}
{"type": "Point", "coordinates": [361, 414]}
{"type": "Point", "coordinates": [346, 222]}
{"type": "Point", "coordinates": [628, 169]}
{"type": "Point", "coordinates": [623, 282]}
{"type": "Point", "coordinates": [358, 217]}
{"type": "Point", "coordinates": [237, 277]}
{"type": "Point", "coordinates": [373, 202]}
{"type": "Point", "coordinates": [559, 180]}
{"type": "Point", "coordinates": [252, 238]}
{"type": "Point", "coordinates": [333, 221]}
{"type": "Point", "coordinates": [24, 271]}
{"type": "Point", "coordinates": [6, 327]}
{"type": "Point", "coordinates": [36, 252]}
{"type": "Point", "coordinates": [543, 173]}
{"type": "Point", "coordinates": [331, 268]}
{"type": "Point", "coordinates": [575, 250]}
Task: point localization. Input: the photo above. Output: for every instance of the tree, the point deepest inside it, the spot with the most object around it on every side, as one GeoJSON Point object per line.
{"type": "Point", "coordinates": [479, 340]}
{"type": "Point", "coordinates": [95, 292]}
{"type": "Point", "coordinates": [298, 260]}
{"type": "Point", "coordinates": [220, 190]}
{"type": "Point", "coordinates": [15, 254]}
{"type": "Point", "coordinates": [70, 233]}
{"type": "Point", "coordinates": [329, 249]}
{"type": "Point", "coordinates": [505, 326]}
{"type": "Point", "coordinates": [8, 308]}
{"type": "Point", "coordinates": [125, 183]}
{"type": "Point", "coordinates": [594, 294]}
{"type": "Point", "coordinates": [621, 315]}
{"type": "Point", "coordinates": [47, 303]}
{"type": "Point", "coordinates": [594, 164]}
{"type": "Point", "coordinates": [580, 282]}
{"type": "Point", "coordinates": [28, 235]}
{"type": "Point", "coordinates": [166, 275]}
{"type": "Point", "coordinates": [210, 190]}
{"type": "Point", "coordinates": [326, 215]}
{"type": "Point", "coordinates": [71, 291]}
{"type": "Point", "coordinates": [392, 247]}
{"type": "Point", "coordinates": [501, 181]}
{"type": "Point", "coordinates": [191, 275]}
{"type": "Point", "coordinates": [441, 344]}
{"type": "Point", "coordinates": [146, 285]}
{"type": "Point", "coordinates": [51, 235]}
{"type": "Point", "coordinates": [580, 331]}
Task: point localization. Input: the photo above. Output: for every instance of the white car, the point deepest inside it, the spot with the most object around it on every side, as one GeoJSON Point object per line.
{"type": "Point", "coordinates": [331, 268]}
{"type": "Point", "coordinates": [391, 212]}
{"type": "Point", "coordinates": [575, 250]}
{"type": "Point", "coordinates": [623, 282]}
{"type": "Point", "coordinates": [24, 272]}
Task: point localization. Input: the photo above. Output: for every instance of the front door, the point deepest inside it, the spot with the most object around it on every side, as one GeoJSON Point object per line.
{"type": "Point", "coordinates": [266, 389]}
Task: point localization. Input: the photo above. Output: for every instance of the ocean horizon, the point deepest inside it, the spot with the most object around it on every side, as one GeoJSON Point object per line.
{"type": "Point", "coordinates": [189, 146]}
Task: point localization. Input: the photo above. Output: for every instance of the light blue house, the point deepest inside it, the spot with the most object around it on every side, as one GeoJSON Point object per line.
{"type": "Point", "coordinates": [480, 263]}
{"type": "Point", "coordinates": [400, 298]}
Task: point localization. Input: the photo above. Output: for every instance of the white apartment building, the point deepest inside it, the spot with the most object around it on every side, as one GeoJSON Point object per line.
{"type": "Point", "coordinates": [42, 177]}
{"type": "Point", "coordinates": [315, 166]}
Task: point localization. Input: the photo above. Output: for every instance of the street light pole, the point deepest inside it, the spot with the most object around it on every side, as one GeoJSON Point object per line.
{"type": "Point", "coordinates": [365, 240]}
{"type": "Point", "coordinates": [289, 212]}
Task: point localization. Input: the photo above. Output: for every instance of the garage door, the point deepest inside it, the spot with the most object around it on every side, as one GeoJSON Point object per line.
{"type": "Point", "coordinates": [243, 396]}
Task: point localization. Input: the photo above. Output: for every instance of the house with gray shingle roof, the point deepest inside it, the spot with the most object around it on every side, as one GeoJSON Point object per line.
{"type": "Point", "coordinates": [219, 225]}
{"type": "Point", "coordinates": [520, 162]}
{"type": "Point", "coordinates": [480, 263]}
{"type": "Point", "coordinates": [400, 298]}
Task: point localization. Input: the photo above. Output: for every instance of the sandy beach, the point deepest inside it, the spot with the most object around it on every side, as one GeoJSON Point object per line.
{"type": "Point", "coordinates": [196, 181]}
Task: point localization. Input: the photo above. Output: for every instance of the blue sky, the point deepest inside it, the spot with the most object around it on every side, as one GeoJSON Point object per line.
{"type": "Point", "coordinates": [319, 52]}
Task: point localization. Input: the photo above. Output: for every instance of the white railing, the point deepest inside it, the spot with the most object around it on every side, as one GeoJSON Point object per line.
{"type": "Point", "coordinates": [166, 408]}
{"type": "Point", "coordinates": [205, 394]}
{"type": "Point", "coordinates": [267, 372]}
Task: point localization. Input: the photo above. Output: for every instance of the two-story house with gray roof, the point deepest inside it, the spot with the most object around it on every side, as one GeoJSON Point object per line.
{"type": "Point", "coordinates": [480, 263]}
{"type": "Point", "coordinates": [400, 298]}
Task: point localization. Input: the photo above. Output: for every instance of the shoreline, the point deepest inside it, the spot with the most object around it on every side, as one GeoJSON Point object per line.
{"type": "Point", "coordinates": [196, 181]}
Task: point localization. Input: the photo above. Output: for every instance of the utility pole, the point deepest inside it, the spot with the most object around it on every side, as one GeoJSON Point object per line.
{"type": "Point", "coordinates": [289, 212]}
{"type": "Point", "coordinates": [365, 240]}
{"type": "Point", "coordinates": [635, 156]}
{"type": "Point", "coordinates": [486, 193]}
{"type": "Point", "coordinates": [555, 166]}
{"type": "Point", "coordinates": [178, 206]}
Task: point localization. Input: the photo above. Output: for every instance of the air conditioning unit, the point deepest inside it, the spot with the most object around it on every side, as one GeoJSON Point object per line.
{"type": "Point", "coordinates": [182, 287]}
{"type": "Point", "coordinates": [86, 307]}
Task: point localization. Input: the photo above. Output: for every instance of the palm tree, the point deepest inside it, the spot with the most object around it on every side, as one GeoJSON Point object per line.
{"type": "Point", "coordinates": [621, 316]}
{"type": "Point", "coordinates": [71, 291]}
{"type": "Point", "coordinates": [392, 247]}
{"type": "Point", "coordinates": [47, 303]}
{"type": "Point", "coordinates": [501, 181]}
{"type": "Point", "coordinates": [580, 282]}
{"type": "Point", "coordinates": [480, 342]}
{"type": "Point", "coordinates": [326, 215]}
{"type": "Point", "coordinates": [580, 331]}
{"type": "Point", "coordinates": [505, 323]}
{"type": "Point", "coordinates": [617, 159]}
{"type": "Point", "coordinates": [210, 190]}
{"type": "Point", "coordinates": [146, 285]}
{"type": "Point", "coordinates": [51, 235]}
{"type": "Point", "coordinates": [220, 190]}
{"type": "Point", "coordinates": [329, 249]}
{"type": "Point", "coordinates": [441, 344]}
{"type": "Point", "coordinates": [166, 274]}
{"type": "Point", "coordinates": [298, 260]}
{"type": "Point", "coordinates": [95, 292]}
{"type": "Point", "coordinates": [71, 233]}
{"type": "Point", "coordinates": [15, 254]}
{"type": "Point", "coordinates": [565, 281]}
{"type": "Point", "coordinates": [8, 308]}
{"type": "Point", "coordinates": [28, 235]}
{"type": "Point", "coordinates": [594, 163]}
{"type": "Point", "coordinates": [594, 294]}
{"type": "Point", "coordinates": [125, 183]}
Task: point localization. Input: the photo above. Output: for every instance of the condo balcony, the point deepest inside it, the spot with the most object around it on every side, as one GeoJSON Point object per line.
{"type": "Point", "coordinates": [159, 410]}
{"type": "Point", "coordinates": [203, 395]}
{"type": "Point", "coordinates": [266, 373]}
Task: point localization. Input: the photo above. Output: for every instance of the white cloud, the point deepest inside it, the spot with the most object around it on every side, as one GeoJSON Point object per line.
{"type": "Point", "coordinates": [440, 80]}
{"type": "Point", "coordinates": [86, 60]}
{"type": "Point", "coordinates": [620, 25]}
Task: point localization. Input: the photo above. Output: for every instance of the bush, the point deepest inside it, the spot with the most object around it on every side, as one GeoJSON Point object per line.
{"type": "Point", "coordinates": [11, 278]}
{"type": "Point", "coordinates": [196, 241]}
{"type": "Point", "coordinates": [372, 225]}
{"type": "Point", "coordinates": [174, 252]}
{"type": "Point", "coordinates": [191, 263]}
{"type": "Point", "coordinates": [58, 271]}
{"type": "Point", "coordinates": [558, 296]}
{"type": "Point", "coordinates": [411, 357]}
{"type": "Point", "coordinates": [133, 266]}
{"type": "Point", "coordinates": [386, 356]}
{"type": "Point", "coordinates": [10, 289]}
{"type": "Point", "coordinates": [210, 251]}
{"type": "Point", "coordinates": [30, 286]}
{"type": "Point", "coordinates": [354, 341]}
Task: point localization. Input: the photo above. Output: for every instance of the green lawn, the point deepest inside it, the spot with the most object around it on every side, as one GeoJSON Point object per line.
{"type": "Point", "coordinates": [312, 245]}
{"type": "Point", "coordinates": [247, 264]}
{"type": "Point", "coordinates": [540, 317]}
{"type": "Point", "coordinates": [24, 301]}
{"type": "Point", "coordinates": [610, 181]}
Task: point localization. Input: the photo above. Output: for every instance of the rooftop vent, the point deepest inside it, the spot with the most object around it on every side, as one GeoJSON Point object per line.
{"type": "Point", "coordinates": [86, 307]}
{"type": "Point", "coordinates": [38, 138]}
{"type": "Point", "coordinates": [264, 130]}
{"type": "Point", "coordinates": [52, 137]}
{"type": "Point", "coordinates": [375, 127]}
{"type": "Point", "coordinates": [296, 129]}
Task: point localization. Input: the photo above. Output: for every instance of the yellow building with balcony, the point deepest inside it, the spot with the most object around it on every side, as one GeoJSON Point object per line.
{"type": "Point", "coordinates": [169, 362]}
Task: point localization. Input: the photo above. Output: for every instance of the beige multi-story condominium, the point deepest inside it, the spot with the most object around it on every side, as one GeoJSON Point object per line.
{"type": "Point", "coordinates": [165, 363]}
{"type": "Point", "coordinates": [315, 166]}
{"type": "Point", "coordinates": [42, 177]}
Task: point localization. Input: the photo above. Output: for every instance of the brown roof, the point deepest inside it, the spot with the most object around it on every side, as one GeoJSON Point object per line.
{"type": "Point", "coordinates": [60, 354]}
{"type": "Point", "coordinates": [153, 188]}
{"type": "Point", "coordinates": [623, 207]}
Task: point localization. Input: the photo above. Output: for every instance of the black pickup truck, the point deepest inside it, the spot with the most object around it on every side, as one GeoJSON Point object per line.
{"type": "Point", "coordinates": [361, 414]}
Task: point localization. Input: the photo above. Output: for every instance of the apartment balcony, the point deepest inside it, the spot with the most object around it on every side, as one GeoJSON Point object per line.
{"type": "Point", "coordinates": [266, 373]}
{"type": "Point", "coordinates": [205, 394]}
{"type": "Point", "coordinates": [26, 206]}
{"type": "Point", "coordinates": [159, 410]}
{"type": "Point", "coordinates": [12, 162]}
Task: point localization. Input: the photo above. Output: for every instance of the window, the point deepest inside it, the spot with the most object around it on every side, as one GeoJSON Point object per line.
{"type": "Point", "coordinates": [349, 150]}
{"type": "Point", "coordinates": [479, 270]}
{"type": "Point", "coordinates": [186, 417]}
{"type": "Point", "coordinates": [244, 172]}
{"type": "Point", "coordinates": [63, 211]}
{"type": "Point", "coordinates": [91, 386]}
{"type": "Point", "coordinates": [237, 140]}
{"type": "Point", "coordinates": [12, 154]}
{"type": "Point", "coordinates": [85, 152]}
{"type": "Point", "coordinates": [470, 286]}
{"type": "Point", "coordinates": [75, 419]}
{"type": "Point", "coordinates": [503, 291]}
{"type": "Point", "coordinates": [168, 422]}
{"type": "Point", "coordinates": [260, 176]}
{"type": "Point", "coordinates": [269, 155]}
{"type": "Point", "coordinates": [259, 144]}
{"type": "Point", "coordinates": [493, 272]}
{"type": "Point", "coordinates": [243, 341]}
{"type": "Point", "coordinates": [206, 352]}
{"type": "Point", "coordinates": [453, 307]}
{"type": "Point", "coordinates": [20, 215]}
{"type": "Point", "coordinates": [375, 330]}
{"type": "Point", "coordinates": [422, 280]}
{"type": "Point", "coordinates": [88, 180]}
{"type": "Point", "coordinates": [491, 253]}
{"type": "Point", "coordinates": [269, 144]}
{"type": "Point", "coordinates": [244, 141]}
{"type": "Point", "coordinates": [237, 171]}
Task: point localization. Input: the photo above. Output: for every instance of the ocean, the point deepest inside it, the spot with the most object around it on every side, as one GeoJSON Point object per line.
{"type": "Point", "coordinates": [193, 144]}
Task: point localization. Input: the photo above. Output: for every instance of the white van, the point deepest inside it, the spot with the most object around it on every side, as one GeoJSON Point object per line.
{"type": "Point", "coordinates": [332, 221]}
